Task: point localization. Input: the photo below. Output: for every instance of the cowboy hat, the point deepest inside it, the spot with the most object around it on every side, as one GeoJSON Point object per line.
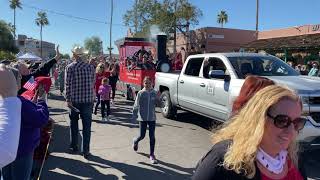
{"type": "Point", "coordinates": [78, 50]}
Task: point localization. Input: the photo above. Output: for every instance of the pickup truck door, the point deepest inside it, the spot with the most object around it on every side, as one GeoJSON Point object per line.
{"type": "Point", "coordinates": [214, 93]}
{"type": "Point", "coordinates": [187, 93]}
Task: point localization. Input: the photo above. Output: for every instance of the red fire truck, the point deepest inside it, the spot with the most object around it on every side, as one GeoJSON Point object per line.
{"type": "Point", "coordinates": [131, 75]}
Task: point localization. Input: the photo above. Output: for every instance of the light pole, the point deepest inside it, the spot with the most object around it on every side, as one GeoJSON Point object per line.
{"type": "Point", "coordinates": [110, 47]}
{"type": "Point", "coordinates": [257, 18]}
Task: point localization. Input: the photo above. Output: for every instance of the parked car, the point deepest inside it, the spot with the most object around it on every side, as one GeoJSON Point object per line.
{"type": "Point", "coordinates": [209, 83]}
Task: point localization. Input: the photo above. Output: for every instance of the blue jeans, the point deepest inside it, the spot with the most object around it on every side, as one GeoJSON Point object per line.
{"type": "Point", "coordinates": [19, 169]}
{"type": "Point", "coordinates": [86, 117]}
{"type": "Point", "coordinates": [143, 128]}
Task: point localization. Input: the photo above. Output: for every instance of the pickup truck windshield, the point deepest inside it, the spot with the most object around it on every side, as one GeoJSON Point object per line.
{"type": "Point", "coordinates": [261, 66]}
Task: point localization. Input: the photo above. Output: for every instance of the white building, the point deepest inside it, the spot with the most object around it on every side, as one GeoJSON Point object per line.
{"type": "Point", "coordinates": [26, 44]}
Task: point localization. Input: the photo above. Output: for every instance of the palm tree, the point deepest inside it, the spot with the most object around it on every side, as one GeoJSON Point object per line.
{"type": "Point", "coordinates": [222, 18]}
{"type": "Point", "coordinates": [14, 4]}
{"type": "Point", "coordinates": [41, 20]}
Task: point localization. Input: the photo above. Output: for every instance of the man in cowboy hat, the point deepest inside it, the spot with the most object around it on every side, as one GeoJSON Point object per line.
{"type": "Point", "coordinates": [80, 81]}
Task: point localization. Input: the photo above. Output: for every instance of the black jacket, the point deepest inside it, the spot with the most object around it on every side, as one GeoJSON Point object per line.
{"type": "Point", "coordinates": [43, 70]}
{"type": "Point", "coordinates": [209, 167]}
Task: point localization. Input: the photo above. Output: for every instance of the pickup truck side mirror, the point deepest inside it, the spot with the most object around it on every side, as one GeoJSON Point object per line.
{"type": "Point", "coordinates": [219, 74]}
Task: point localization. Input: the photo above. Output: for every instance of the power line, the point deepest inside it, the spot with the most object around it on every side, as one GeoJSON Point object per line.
{"type": "Point", "coordinates": [71, 16]}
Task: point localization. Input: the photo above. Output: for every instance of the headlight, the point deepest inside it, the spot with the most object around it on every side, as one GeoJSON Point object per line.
{"type": "Point", "coordinates": [304, 99]}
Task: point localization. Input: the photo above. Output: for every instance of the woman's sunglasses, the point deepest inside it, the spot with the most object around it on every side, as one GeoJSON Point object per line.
{"type": "Point", "coordinates": [284, 121]}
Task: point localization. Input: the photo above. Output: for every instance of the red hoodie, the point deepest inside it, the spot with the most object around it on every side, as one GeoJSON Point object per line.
{"type": "Point", "coordinates": [99, 77]}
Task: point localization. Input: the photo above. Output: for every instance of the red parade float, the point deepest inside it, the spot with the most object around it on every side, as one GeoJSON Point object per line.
{"type": "Point", "coordinates": [140, 57]}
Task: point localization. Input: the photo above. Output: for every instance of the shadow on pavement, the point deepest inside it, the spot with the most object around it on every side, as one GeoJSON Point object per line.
{"type": "Point", "coordinates": [73, 169]}
{"type": "Point", "coordinates": [188, 171]}
{"type": "Point", "coordinates": [134, 172]}
{"type": "Point", "coordinates": [192, 118]}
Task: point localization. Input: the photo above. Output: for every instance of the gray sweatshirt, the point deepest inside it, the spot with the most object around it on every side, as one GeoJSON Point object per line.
{"type": "Point", "coordinates": [144, 105]}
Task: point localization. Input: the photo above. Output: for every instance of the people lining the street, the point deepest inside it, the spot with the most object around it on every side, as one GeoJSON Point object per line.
{"type": "Point", "coordinates": [80, 84]}
{"type": "Point", "coordinates": [61, 76]}
{"type": "Point", "coordinates": [10, 120]}
{"type": "Point", "coordinates": [43, 70]}
{"type": "Point", "coordinates": [314, 71]}
{"type": "Point", "coordinates": [104, 92]}
{"type": "Point", "coordinates": [144, 111]}
{"type": "Point", "coordinates": [101, 73]}
{"type": "Point", "coordinates": [34, 115]}
{"type": "Point", "coordinates": [259, 142]}
{"type": "Point", "coordinates": [113, 79]}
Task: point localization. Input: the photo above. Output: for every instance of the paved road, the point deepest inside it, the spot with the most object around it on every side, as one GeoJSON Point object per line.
{"type": "Point", "coordinates": [180, 144]}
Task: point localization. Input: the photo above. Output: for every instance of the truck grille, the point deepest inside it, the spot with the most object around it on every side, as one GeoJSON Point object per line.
{"type": "Point", "coordinates": [314, 100]}
{"type": "Point", "coordinates": [315, 116]}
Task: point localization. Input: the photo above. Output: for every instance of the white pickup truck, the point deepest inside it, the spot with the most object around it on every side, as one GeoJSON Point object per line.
{"type": "Point", "coordinates": [210, 90]}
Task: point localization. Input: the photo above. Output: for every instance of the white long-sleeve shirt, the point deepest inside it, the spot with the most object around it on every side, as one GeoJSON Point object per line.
{"type": "Point", "coordinates": [10, 122]}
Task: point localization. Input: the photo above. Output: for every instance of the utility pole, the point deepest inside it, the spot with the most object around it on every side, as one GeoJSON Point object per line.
{"type": "Point", "coordinates": [175, 29]}
{"type": "Point", "coordinates": [136, 17]}
{"type": "Point", "coordinates": [257, 18]}
{"type": "Point", "coordinates": [110, 47]}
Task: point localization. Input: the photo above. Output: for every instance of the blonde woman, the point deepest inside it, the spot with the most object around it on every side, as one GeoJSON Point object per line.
{"type": "Point", "coordinates": [100, 74]}
{"type": "Point", "coordinates": [259, 142]}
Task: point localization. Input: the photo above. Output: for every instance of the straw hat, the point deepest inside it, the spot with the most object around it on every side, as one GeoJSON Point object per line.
{"type": "Point", "coordinates": [78, 50]}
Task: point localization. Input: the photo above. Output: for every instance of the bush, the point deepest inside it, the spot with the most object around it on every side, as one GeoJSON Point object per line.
{"type": "Point", "coordinates": [7, 55]}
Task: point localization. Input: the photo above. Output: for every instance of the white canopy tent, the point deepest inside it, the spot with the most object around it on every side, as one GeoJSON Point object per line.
{"type": "Point", "coordinates": [30, 57]}
{"type": "Point", "coordinates": [19, 54]}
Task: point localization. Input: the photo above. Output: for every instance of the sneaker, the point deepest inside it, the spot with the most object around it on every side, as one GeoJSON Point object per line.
{"type": "Point", "coordinates": [153, 159]}
{"type": "Point", "coordinates": [135, 146]}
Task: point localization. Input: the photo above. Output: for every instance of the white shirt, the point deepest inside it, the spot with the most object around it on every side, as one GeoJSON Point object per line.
{"type": "Point", "coordinates": [10, 122]}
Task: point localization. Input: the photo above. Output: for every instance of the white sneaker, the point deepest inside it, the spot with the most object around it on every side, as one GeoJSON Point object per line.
{"type": "Point", "coordinates": [153, 159]}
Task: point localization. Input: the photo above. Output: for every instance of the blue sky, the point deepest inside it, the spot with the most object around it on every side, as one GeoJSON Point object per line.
{"type": "Point", "coordinates": [68, 31]}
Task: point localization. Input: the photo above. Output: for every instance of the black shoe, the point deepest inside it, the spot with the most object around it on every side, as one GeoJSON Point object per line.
{"type": "Point", "coordinates": [73, 149]}
{"type": "Point", "coordinates": [87, 155]}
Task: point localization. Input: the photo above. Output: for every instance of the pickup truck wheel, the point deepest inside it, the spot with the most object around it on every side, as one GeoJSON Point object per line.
{"type": "Point", "coordinates": [167, 109]}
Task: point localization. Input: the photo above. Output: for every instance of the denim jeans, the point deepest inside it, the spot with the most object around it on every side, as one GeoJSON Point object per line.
{"type": "Point", "coordinates": [143, 128]}
{"type": "Point", "coordinates": [86, 117]}
{"type": "Point", "coordinates": [103, 107]}
{"type": "Point", "coordinates": [19, 169]}
{"type": "Point", "coordinates": [97, 104]}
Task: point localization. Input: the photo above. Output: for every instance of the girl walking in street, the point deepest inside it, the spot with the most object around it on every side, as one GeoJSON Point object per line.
{"type": "Point", "coordinates": [104, 93]}
{"type": "Point", "coordinates": [144, 112]}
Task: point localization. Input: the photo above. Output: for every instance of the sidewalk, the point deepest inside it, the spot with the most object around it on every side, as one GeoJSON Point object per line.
{"type": "Point", "coordinates": [113, 157]}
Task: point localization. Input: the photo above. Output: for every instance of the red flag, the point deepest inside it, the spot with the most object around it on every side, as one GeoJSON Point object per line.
{"type": "Point", "coordinates": [31, 84]}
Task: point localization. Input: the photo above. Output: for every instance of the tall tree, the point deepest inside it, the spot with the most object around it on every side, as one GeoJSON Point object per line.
{"type": "Point", "coordinates": [41, 20]}
{"type": "Point", "coordinates": [222, 18]}
{"type": "Point", "coordinates": [14, 4]}
{"type": "Point", "coordinates": [93, 45]}
{"type": "Point", "coordinates": [6, 38]}
{"type": "Point", "coordinates": [169, 15]}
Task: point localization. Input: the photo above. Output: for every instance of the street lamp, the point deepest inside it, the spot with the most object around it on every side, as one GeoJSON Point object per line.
{"type": "Point", "coordinates": [110, 47]}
